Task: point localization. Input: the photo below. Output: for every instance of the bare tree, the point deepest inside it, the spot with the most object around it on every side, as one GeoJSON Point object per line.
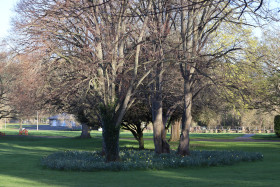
{"type": "Point", "coordinates": [94, 45]}
{"type": "Point", "coordinates": [136, 120]}
{"type": "Point", "coordinates": [7, 78]}
{"type": "Point", "coordinates": [199, 22]}
{"type": "Point", "coordinates": [98, 53]}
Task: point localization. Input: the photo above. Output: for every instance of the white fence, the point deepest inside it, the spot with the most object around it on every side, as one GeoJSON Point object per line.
{"type": "Point", "coordinates": [253, 130]}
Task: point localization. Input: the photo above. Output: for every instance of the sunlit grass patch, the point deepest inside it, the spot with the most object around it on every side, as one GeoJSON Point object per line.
{"type": "Point", "coordinates": [215, 135]}
{"type": "Point", "coordinates": [267, 136]}
{"type": "Point", "coordinates": [21, 157]}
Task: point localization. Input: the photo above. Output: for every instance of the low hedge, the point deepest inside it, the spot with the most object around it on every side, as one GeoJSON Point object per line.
{"type": "Point", "coordinates": [144, 159]}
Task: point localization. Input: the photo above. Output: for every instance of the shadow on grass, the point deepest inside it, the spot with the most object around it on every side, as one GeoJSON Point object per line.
{"type": "Point", "coordinates": [20, 166]}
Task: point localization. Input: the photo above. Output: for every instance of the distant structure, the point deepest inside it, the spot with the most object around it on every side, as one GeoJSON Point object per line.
{"type": "Point", "coordinates": [63, 120]}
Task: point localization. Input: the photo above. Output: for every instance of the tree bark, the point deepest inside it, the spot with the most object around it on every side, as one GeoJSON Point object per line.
{"type": "Point", "coordinates": [157, 126]}
{"type": "Point", "coordinates": [175, 131]}
{"type": "Point", "coordinates": [111, 142]}
{"type": "Point", "coordinates": [110, 133]}
{"type": "Point", "coordinates": [85, 131]}
{"type": "Point", "coordinates": [184, 145]}
{"type": "Point", "coordinates": [189, 34]}
{"type": "Point", "coordinates": [161, 145]}
{"type": "Point", "coordinates": [140, 138]}
{"type": "Point", "coordinates": [20, 125]}
{"type": "Point", "coordinates": [141, 142]}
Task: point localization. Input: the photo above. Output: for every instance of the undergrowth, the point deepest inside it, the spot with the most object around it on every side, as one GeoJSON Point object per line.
{"type": "Point", "coordinates": [131, 159]}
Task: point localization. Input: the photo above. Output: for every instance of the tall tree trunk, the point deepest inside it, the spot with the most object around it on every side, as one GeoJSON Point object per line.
{"type": "Point", "coordinates": [141, 142]}
{"type": "Point", "coordinates": [85, 131]}
{"type": "Point", "coordinates": [165, 144]}
{"type": "Point", "coordinates": [184, 145]}
{"type": "Point", "coordinates": [103, 153]}
{"type": "Point", "coordinates": [161, 145]}
{"type": "Point", "coordinates": [189, 34]}
{"type": "Point", "coordinates": [140, 138]}
{"type": "Point", "coordinates": [157, 126]}
{"type": "Point", "coordinates": [175, 131]}
{"type": "Point", "coordinates": [110, 134]}
{"type": "Point", "coordinates": [20, 125]}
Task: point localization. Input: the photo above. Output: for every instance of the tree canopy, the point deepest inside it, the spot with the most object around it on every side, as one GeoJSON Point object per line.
{"type": "Point", "coordinates": [111, 62]}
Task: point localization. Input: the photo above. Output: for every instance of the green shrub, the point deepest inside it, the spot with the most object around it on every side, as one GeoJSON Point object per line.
{"type": "Point", "coordinates": [134, 159]}
{"type": "Point", "coordinates": [277, 125]}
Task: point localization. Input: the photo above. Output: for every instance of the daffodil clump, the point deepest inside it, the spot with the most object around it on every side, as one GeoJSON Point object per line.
{"type": "Point", "coordinates": [131, 159]}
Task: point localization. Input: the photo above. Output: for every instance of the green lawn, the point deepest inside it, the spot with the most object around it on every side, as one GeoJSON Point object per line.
{"type": "Point", "coordinates": [215, 136]}
{"type": "Point", "coordinates": [193, 135]}
{"type": "Point", "coordinates": [16, 125]}
{"type": "Point", "coordinates": [124, 134]}
{"type": "Point", "coordinates": [46, 133]}
{"type": "Point", "coordinates": [270, 136]}
{"type": "Point", "coordinates": [20, 165]}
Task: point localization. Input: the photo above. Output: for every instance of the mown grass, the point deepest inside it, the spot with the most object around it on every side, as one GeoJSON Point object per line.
{"type": "Point", "coordinates": [12, 129]}
{"type": "Point", "coordinates": [269, 136]}
{"type": "Point", "coordinates": [20, 165]}
{"type": "Point", "coordinates": [124, 134]}
{"type": "Point", "coordinates": [215, 136]}
{"type": "Point", "coordinates": [44, 133]}
{"type": "Point", "coordinates": [192, 135]}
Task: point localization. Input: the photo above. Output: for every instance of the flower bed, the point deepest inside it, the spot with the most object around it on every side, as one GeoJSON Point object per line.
{"type": "Point", "coordinates": [145, 159]}
{"type": "Point", "coordinates": [23, 132]}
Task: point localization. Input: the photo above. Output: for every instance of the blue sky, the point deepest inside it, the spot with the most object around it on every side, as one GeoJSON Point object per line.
{"type": "Point", "coordinates": [6, 13]}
